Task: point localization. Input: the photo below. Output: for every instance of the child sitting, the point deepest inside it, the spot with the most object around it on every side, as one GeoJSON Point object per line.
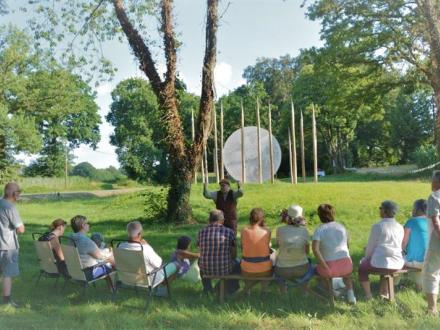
{"type": "Point", "coordinates": [98, 238]}
{"type": "Point", "coordinates": [182, 257]}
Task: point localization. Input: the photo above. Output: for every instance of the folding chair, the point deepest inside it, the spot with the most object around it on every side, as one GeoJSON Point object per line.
{"type": "Point", "coordinates": [46, 259]}
{"type": "Point", "coordinates": [76, 269]}
{"type": "Point", "coordinates": [132, 272]}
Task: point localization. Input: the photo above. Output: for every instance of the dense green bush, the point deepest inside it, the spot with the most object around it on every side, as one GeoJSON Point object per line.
{"type": "Point", "coordinates": [155, 204]}
{"type": "Point", "coordinates": [425, 155]}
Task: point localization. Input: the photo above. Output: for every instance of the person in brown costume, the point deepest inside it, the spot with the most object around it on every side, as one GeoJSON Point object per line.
{"type": "Point", "coordinates": [226, 200]}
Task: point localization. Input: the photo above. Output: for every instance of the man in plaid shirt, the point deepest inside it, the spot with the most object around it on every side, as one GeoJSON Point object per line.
{"type": "Point", "coordinates": [217, 251]}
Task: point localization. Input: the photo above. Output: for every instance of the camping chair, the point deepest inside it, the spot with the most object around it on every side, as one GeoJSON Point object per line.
{"type": "Point", "coordinates": [46, 259]}
{"type": "Point", "coordinates": [75, 268]}
{"type": "Point", "coordinates": [132, 272]}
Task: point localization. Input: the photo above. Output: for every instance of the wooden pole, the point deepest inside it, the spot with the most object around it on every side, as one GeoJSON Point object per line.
{"type": "Point", "coordinates": [193, 136]}
{"type": "Point", "coordinates": [270, 146]}
{"type": "Point", "coordinates": [294, 169]}
{"type": "Point", "coordinates": [303, 158]}
{"type": "Point", "coordinates": [205, 169]}
{"type": "Point", "coordinates": [217, 176]}
{"type": "Point", "coordinates": [222, 165]}
{"type": "Point", "coordinates": [243, 165]}
{"type": "Point", "coordinates": [315, 146]}
{"type": "Point", "coordinates": [290, 157]}
{"type": "Point", "coordinates": [260, 165]}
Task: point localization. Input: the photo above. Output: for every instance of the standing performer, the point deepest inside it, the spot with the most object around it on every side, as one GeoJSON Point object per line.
{"type": "Point", "coordinates": [226, 200]}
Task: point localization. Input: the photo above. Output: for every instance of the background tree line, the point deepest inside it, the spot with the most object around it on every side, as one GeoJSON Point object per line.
{"type": "Point", "coordinates": [44, 108]}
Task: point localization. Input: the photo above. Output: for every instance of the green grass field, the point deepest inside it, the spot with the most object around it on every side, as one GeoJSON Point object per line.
{"type": "Point", "coordinates": [357, 208]}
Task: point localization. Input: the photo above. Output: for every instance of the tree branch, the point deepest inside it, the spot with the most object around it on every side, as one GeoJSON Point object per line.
{"type": "Point", "coordinates": [203, 123]}
{"type": "Point", "coordinates": [169, 41]}
{"type": "Point", "coordinates": [139, 48]}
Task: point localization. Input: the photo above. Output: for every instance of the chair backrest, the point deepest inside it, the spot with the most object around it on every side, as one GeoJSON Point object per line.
{"type": "Point", "coordinates": [45, 257]}
{"type": "Point", "coordinates": [130, 266]}
{"type": "Point", "coordinates": [73, 262]}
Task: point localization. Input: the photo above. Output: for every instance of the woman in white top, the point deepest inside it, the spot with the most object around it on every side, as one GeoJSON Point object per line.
{"type": "Point", "coordinates": [293, 242]}
{"type": "Point", "coordinates": [330, 247]}
{"type": "Point", "coordinates": [384, 250]}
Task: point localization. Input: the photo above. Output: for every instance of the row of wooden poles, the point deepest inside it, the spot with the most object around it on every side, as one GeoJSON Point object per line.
{"type": "Point", "coordinates": [219, 169]}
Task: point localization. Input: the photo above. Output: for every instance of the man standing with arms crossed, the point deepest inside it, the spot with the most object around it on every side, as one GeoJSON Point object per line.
{"type": "Point", "coordinates": [226, 200]}
{"type": "Point", "coordinates": [10, 226]}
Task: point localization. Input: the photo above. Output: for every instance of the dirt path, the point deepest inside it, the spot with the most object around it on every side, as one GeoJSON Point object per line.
{"type": "Point", "coordinates": [80, 194]}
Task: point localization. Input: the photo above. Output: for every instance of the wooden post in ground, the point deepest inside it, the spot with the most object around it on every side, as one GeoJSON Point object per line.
{"type": "Point", "coordinates": [271, 146]}
{"type": "Point", "coordinates": [303, 158]}
{"type": "Point", "coordinates": [193, 135]}
{"type": "Point", "coordinates": [315, 146]}
{"type": "Point", "coordinates": [222, 165]}
{"type": "Point", "coordinates": [260, 165]}
{"type": "Point", "coordinates": [205, 169]}
{"type": "Point", "coordinates": [290, 156]}
{"type": "Point", "coordinates": [215, 158]}
{"type": "Point", "coordinates": [243, 165]}
{"type": "Point", "coordinates": [294, 176]}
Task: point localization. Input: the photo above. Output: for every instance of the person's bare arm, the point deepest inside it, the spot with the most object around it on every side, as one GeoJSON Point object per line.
{"type": "Point", "coordinates": [318, 255]}
{"type": "Point", "coordinates": [98, 255]}
{"type": "Point", "coordinates": [184, 254]}
{"type": "Point", "coordinates": [56, 247]}
{"type": "Point", "coordinates": [406, 238]}
{"type": "Point", "coordinates": [436, 225]}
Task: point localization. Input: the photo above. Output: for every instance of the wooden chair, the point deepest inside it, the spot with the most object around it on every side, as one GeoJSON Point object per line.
{"type": "Point", "coordinates": [46, 259]}
{"type": "Point", "coordinates": [132, 272]}
{"type": "Point", "coordinates": [76, 269]}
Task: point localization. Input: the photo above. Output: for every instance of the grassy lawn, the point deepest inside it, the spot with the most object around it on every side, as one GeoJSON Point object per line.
{"type": "Point", "coordinates": [357, 208]}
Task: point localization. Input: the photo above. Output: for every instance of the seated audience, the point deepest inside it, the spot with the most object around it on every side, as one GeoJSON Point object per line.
{"type": "Point", "coordinates": [293, 242]}
{"type": "Point", "coordinates": [416, 240]}
{"type": "Point", "coordinates": [152, 260]}
{"type": "Point", "coordinates": [56, 230]}
{"type": "Point", "coordinates": [330, 247]}
{"type": "Point", "coordinates": [255, 243]}
{"type": "Point", "coordinates": [182, 256]}
{"type": "Point", "coordinates": [217, 252]}
{"type": "Point", "coordinates": [384, 250]}
{"type": "Point", "coordinates": [96, 263]}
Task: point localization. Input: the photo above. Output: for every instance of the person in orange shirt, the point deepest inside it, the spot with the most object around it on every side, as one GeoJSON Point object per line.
{"type": "Point", "coordinates": [255, 243]}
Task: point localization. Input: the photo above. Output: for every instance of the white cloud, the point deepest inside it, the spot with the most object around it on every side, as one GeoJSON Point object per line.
{"type": "Point", "coordinates": [226, 79]}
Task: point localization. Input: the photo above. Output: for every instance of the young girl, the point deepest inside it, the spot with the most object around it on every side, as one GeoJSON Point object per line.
{"type": "Point", "coordinates": [182, 257]}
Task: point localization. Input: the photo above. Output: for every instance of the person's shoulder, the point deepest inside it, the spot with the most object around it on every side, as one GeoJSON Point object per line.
{"type": "Point", "coordinates": [6, 205]}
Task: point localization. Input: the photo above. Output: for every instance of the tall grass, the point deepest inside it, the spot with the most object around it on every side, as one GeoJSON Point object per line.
{"type": "Point", "coordinates": [357, 207]}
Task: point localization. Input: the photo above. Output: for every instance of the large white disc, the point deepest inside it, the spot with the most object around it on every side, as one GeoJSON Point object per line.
{"type": "Point", "coordinates": [232, 154]}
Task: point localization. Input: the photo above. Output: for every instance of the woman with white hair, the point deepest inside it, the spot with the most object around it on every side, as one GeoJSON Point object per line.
{"type": "Point", "coordinates": [384, 250]}
{"type": "Point", "coordinates": [293, 241]}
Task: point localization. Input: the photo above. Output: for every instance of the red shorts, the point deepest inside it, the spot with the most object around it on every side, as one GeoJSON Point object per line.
{"type": "Point", "coordinates": [338, 268]}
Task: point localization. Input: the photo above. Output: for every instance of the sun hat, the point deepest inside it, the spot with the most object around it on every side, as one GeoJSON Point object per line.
{"type": "Point", "coordinates": [295, 211]}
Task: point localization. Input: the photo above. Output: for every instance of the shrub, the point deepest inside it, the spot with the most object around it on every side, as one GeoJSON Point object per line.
{"type": "Point", "coordinates": [155, 204]}
{"type": "Point", "coordinates": [425, 155]}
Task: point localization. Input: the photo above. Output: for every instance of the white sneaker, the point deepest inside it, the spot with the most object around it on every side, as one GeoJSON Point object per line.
{"type": "Point", "coordinates": [350, 297]}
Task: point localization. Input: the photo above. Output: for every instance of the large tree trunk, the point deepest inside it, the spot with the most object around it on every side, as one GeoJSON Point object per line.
{"type": "Point", "coordinates": [431, 12]}
{"type": "Point", "coordinates": [183, 160]}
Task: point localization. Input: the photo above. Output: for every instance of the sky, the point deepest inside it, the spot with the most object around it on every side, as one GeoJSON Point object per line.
{"type": "Point", "coordinates": [249, 29]}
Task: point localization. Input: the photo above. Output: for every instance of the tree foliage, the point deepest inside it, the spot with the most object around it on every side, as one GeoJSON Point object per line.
{"type": "Point", "coordinates": [138, 136]}
{"type": "Point", "coordinates": [46, 106]}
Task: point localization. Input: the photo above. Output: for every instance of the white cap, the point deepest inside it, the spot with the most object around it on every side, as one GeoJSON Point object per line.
{"type": "Point", "coordinates": [295, 211]}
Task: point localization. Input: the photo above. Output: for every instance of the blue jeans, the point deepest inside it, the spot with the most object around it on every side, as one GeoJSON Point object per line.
{"type": "Point", "coordinates": [97, 271]}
